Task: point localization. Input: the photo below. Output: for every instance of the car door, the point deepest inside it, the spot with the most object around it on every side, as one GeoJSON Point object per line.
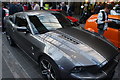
{"type": "Point", "coordinates": [113, 33]}
{"type": "Point", "coordinates": [24, 39]}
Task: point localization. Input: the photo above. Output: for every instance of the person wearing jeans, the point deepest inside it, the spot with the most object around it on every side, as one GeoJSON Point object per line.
{"type": "Point", "coordinates": [103, 19]}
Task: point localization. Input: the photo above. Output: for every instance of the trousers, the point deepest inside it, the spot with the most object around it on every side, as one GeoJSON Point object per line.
{"type": "Point", "coordinates": [101, 32]}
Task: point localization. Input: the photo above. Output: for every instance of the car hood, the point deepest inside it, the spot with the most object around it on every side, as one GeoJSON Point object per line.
{"type": "Point", "coordinates": [82, 47]}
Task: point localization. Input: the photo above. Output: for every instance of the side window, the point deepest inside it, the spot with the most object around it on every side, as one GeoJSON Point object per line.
{"type": "Point", "coordinates": [19, 21]}
{"type": "Point", "coordinates": [37, 26]}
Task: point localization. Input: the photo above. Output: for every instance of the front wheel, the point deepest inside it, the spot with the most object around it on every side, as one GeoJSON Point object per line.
{"type": "Point", "coordinates": [49, 69]}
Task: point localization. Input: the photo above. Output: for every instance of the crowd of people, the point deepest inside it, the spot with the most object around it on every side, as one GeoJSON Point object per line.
{"type": "Point", "coordinates": [18, 7]}
{"type": "Point", "coordinates": [94, 9]}
{"type": "Point", "coordinates": [86, 10]}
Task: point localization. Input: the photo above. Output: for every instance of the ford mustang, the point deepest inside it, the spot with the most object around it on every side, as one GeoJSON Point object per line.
{"type": "Point", "coordinates": [63, 51]}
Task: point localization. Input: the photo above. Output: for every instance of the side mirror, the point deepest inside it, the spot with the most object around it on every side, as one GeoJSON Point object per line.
{"type": "Point", "coordinates": [22, 29]}
{"type": "Point", "coordinates": [76, 23]}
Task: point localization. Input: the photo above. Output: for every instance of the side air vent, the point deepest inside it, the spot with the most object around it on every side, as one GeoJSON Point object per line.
{"type": "Point", "coordinates": [69, 39]}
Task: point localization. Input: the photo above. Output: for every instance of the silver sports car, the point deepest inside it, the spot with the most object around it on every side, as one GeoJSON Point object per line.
{"type": "Point", "coordinates": [63, 51]}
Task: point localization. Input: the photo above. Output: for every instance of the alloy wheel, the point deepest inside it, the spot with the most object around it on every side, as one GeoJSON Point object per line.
{"type": "Point", "coordinates": [47, 70]}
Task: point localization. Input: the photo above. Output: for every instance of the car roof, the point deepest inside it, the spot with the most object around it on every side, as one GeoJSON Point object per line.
{"type": "Point", "coordinates": [32, 12]}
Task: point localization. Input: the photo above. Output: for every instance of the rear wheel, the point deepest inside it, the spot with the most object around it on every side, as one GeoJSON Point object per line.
{"type": "Point", "coordinates": [10, 40]}
{"type": "Point", "coordinates": [49, 69]}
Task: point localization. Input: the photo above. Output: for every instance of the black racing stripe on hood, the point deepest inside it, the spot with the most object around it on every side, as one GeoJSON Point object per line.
{"type": "Point", "coordinates": [100, 45]}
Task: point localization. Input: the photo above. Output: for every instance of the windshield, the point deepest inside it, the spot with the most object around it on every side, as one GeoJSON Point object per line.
{"type": "Point", "coordinates": [47, 22]}
{"type": "Point", "coordinates": [50, 21]}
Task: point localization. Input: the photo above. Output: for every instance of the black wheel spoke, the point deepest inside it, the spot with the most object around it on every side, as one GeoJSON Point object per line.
{"type": "Point", "coordinates": [48, 70]}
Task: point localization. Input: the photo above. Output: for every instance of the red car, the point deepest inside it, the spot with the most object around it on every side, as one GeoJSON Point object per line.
{"type": "Point", "coordinates": [74, 20]}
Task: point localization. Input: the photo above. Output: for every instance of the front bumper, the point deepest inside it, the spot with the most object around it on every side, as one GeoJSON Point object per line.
{"type": "Point", "coordinates": [106, 71]}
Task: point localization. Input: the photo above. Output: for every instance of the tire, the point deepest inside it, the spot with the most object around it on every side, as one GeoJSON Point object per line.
{"type": "Point", "coordinates": [10, 40]}
{"type": "Point", "coordinates": [49, 69]}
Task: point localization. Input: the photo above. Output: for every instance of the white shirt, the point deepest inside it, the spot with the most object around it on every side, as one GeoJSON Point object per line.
{"type": "Point", "coordinates": [100, 17]}
{"type": "Point", "coordinates": [36, 7]}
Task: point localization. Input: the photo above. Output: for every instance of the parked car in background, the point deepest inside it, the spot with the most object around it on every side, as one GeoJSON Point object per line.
{"type": "Point", "coordinates": [113, 31]}
{"type": "Point", "coordinates": [74, 20]}
{"type": "Point", "coordinates": [63, 51]}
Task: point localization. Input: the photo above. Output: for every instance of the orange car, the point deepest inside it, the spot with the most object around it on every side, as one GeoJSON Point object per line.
{"type": "Point", "coordinates": [113, 31]}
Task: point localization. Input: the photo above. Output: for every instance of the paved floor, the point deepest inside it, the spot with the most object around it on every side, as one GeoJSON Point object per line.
{"type": "Point", "coordinates": [16, 64]}
{"type": "Point", "coordinates": [0, 54]}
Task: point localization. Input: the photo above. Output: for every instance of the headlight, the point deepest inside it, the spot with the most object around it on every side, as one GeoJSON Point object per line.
{"type": "Point", "coordinates": [90, 69]}
{"type": "Point", "coordinates": [77, 69]}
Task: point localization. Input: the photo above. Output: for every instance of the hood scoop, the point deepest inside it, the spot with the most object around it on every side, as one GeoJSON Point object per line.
{"type": "Point", "coordinates": [70, 39]}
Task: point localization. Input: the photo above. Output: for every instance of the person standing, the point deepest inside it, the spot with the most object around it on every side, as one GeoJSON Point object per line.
{"type": "Point", "coordinates": [29, 6]}
{"type": "Point", "coordinates": [3, 15]}
{"type": "Point", "coordinates": [103, 19]}
{"type": "Point", "coordinates": [84, 16]}
{"type": "Point", "coordinates": [25, 7]}
{"type": "Point", "coordinates": [19, 7]}
{"type": "Point", "coordinates": [5, 9]}
{"type": "Point", "coordinates": [36, 7]}
{"type": "Point", "coordinates": [12, 8]}
{"type": "Point", "coordinates": [97, 8]}
{"type": "Point", "coordinates": [71, 10]}
{"type": "Point", "coordinates": [63, 6]}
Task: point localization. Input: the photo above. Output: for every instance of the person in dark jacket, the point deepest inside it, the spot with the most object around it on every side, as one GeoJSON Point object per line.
{"type": "Point", "coordinates": [97, 8]}
{"type": "Point", "coordinates": [3, 15]}
{"type": "Point", "coordinates": [71, 10]}
{"type": "Point", "coordinates": [84, 16]}
{"type": "Point", "coordinates": [12, 8]}
{"type": "Point", "coordinates": [29, 6]}
{"type": "Point", "coordinates": [63, 6]}
{"type": "Point", "coordinates": [19, 7]}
